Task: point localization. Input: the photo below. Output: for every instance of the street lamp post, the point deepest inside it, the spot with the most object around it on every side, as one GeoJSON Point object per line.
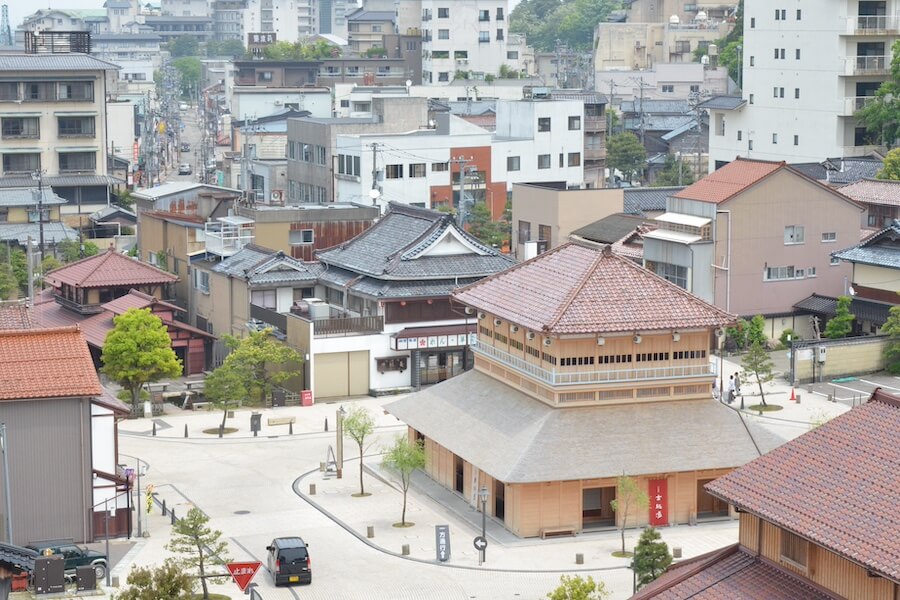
{"type": "Point", "coordinates": [339, 443]}
{"type": "Point", "coordinates": [483, 496]}
{"type": "Point", "coordinates": [6, 482]}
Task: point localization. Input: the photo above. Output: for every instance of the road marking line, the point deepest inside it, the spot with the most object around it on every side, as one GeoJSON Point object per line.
{"type": "Point", "coordinates": [879, 385]}
{"type": "Point", "coordinates": [844, 387]}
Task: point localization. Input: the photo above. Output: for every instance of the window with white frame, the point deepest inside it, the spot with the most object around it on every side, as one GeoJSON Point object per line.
{"type": "Point", "coordinates": [439, 167]}
{"type": "Point", "coordinates": [794, 234]}
{"type": "Point", "coordinates": [780, 273]}
{"type": "Point", "coordinates": [829, 236]}
{"type": "Point", "coordinates": [201, 280]}
{"type": "Point", "coordinates": [417, 170]}
{"type": "Point", "coordinates": [543, 161]}
{"type": "Point", "coordinates": [834, 261]}
{"type": "Point", "coordinates": [264, 298]}
{"type": "Point", "coordinates": [668, 89]}
{"type": "Point", "coordinates": [301, 237]}
{"type": "Point", "coordinates": [575, 123]}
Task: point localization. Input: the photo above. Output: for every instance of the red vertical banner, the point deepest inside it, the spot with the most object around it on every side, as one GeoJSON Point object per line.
{"type": "Point", "coordinates": [659, 502]}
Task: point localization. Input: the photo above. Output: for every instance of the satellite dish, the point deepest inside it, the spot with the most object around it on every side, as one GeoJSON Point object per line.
{"type": "Point", "coordinates": [408, 83]}
{"type": "Point", "coordinates": [701, 16]}
{"type": "Point", "coordinates": [374, 193]}
{"type": "Point", "coordinates": [674, 20]}
{"type": "Point", "coordinates": [851, 290]}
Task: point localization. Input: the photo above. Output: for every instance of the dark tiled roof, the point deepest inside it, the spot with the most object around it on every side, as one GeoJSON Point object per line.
{"type": "Point", "coordinates": [22, 558]}
{"type": "Point", "coordinates": [849, 170]}
{"type": "Point", "coordinates": [576, 289]}
{"type": "Point", "coordinates": [864, 310]}
{"type": "Point", "coordinates": [881, 249]}
{"type": "Point", "coordinates": [20, 232]}
{"type": "Point", "coordinates": [731, 573]}
{"type": "Point", "coordinates": [398, 246]}
{"type": "Point", "coordinates": [61, 181]}
{"type": "Point", "coordinates": [812, 170]}
{"type": "Point", "coordinates": [639, 201]}
{"type": "Point", "coordinates": [409, 289]}
{"type": "Point", "coordinates": [657, 107]}
{"type": "Point", "coordinates": [609, 229]}
{"type": "Point", "coordinates": [723, 103]}
{"type": "Point", "coordinates": [370, 15]}
{"type": "Point", "coordinates": [837, 486]}
{"type": "Point", "coordinates": [261, 267]}
{"type": "Point", "coordinates": [54, 62]}
{"type": "Point", "coordinates": [28, 197]}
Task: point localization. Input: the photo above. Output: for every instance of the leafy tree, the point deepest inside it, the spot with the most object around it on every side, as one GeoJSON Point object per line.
{"type": "Point", "coordinates": [189, 69]}
{"type": "Point", "coordinates": [881, 114]}
{"type": "Point", "coordinates": [483, 227]}
{"type": "Point", "coordinates": [262, 361]}
{"type": "Point", "coordinates": [184, 45]}
{"type": "Point", "coordinates": [301, 50]}
{"type": "Point", "coordinates": [15, 266]}
{"type": "Point", "coordinates": [728, 54]}
{"type": "Point", "coordinates": [891, 168]}
{"type": "Point", "coordinates": [203, 546]}
{"type": "Point", "coordinates": [891, 327]}
{"type": "Point", "coordinates": [651, 557]}
{"type": "Point", "coordinates": [166, 582]}
{"type": "Point", "coordinates": [669, 175]}
{"type": "Point", "coordinates": [9, 285]}
{"type": "Point", "coordinates": [125, 199]}
{"type": "Point", "coordinates": [376, 52]}
{"type": "Point", "coordinates": [70, 250]}
{"type": "Point", "coordinates": [404, 457]}
{"type": "Point", "coordinates": [507, 72]}
{"type": "Point", "coordinates": [358, 425]}
{"type": "Point", "coordinates": [629, 496]}
{"type": "Point", "coordinates": [841, 324]}
{"type": "Point", "coordinates": [757, 362]}
{"type": "Point", "coordinates": [756, 332]}
{"type": "Point", "coordinates": [575, 588]}
{"type": "Point", "coordinates": [225, 388]}
{"type": "Point", "coordinates": [571, 23]}
{"type": "Point", "coordinates": [138, 350]}
{"type": "Point", "coordinates": [232, 48]}
{"type": "Point", "coordinates": [625, 153]}
{"type": "Point", "coordinates": [738, 334]}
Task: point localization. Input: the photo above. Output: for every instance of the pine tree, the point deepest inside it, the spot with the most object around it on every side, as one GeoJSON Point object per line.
{"type": "Point", "coordinates": [757, 362]}
{"type": "Point", "coordinates": [203, 547]}
{"type": "Point", "coordinates": [651, 557]}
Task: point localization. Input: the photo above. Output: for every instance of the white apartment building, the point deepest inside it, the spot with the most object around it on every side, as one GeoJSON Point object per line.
{"type": "Point", "coordinates": [535, 142]}
{"type": "Point", "coordinates": [185, 8]}
{"type": "Point", "coordinates": [808, 67]}
{"type": "Point", "coordinates": [463, 35]}
{"type": "Point", "coordinates": [293, 20]}
{"type": "Point", "coordinates": [137, 54]}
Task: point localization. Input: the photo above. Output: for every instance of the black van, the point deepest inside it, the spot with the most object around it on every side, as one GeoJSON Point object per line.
{"type": "Point", "coordinates": [288, 561]}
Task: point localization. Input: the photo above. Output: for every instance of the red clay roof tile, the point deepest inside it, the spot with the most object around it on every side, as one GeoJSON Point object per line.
{"type": "Point", "coordinates": [107, 269]}
{"type": "Point", "coordinates": [726, 182]}
{"type": "Point", "coordinates": [579, 289]}
{"type": "Point", "coordinates": [46, 363]}
{"type": "Point", "coordinates": [837, 485]}
{"type": "Point", "coordinates": [15, 316]}
{"type": "Point", "coordinates": [731, 573]}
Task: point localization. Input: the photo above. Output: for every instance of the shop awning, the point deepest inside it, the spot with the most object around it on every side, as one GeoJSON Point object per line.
{"type": "Point", "coordinates": [424, 338]}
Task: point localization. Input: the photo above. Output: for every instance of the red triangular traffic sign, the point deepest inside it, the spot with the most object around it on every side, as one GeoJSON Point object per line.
{"type": "Point", "coordinates": [243, 572]}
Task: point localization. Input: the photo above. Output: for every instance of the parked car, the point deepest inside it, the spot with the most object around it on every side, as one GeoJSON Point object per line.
{"type": "Point", "coordinates": [75, 556]}
{"type": "Point", "coordinates": [184, 169]}
{"type": "Point", "coordinates": [185, 147]}
{"type": "Point", "coordinates": [288, 561]}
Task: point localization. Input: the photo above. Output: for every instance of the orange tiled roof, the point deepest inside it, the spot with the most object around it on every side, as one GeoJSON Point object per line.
{"type": "Point", "coordinates": [107, 269]}
{"type": "Point", "coordinates": [577, 289]}
{"type": "Point", "coordinates": [136, 299]}
{"type": "Point", "coordinates": [46, 363]}
{"type": "Point", "coordinates": [733, 178]}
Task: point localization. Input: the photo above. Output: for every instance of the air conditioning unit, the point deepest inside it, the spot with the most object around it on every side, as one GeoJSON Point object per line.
{"type": "Point", "coordinates": [636, 339]}
{"type": "Point", "coordinates": [278, 103]}
{"type": "Point", "coordinates": [497, 322]}
{"type": "Point", "coordinates": [719, 332]}
{"type": "Point", "coordinates": [529, 336]}
{"type": "Point", "coordinates": [275, 196]}
{"type": "Point", "coordinates": [548, 341]}
{"type": "Point", "coordinates": [514, 329]}
{"type": "Point", "coordinates": [676, 337]}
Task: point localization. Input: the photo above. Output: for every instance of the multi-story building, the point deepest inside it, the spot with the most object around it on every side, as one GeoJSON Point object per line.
{"type": "Point", "coordinates": [436, 167]}
{"type": "Point", "coordinates": [228, 19]}
{"type": "Point", "coordinates": [642, 45]}
{"type": "Point", "coordinates": [396, 68]}
{"type": "Point", "coordinates": [137, 54]}
{"type": "Point", "coordinates": [755, 237]}
{"type": "Point", "coordinates": [169, 27]}
{"type": "Point", "coordinates": [264, 87]}
{"type": "Point", "coordinates": [50, 19]}
{"type": "Point", "coordinates": [54, 124]}
{"type": "Point", "coordinates": [463, 36]}
{"type": "Point", "coordinates": [664, 81]}
{"type": "Point", "coordinates": [312, 142]}
{"type": "Point", "coordinates": [579, 352]}
{"type": "Point", "coordinates": [660, 11]}
{"type": "Point", "coordinates": [19, 217]}
{"type": "Point", "coordinates": [294, 21]}
{"type": "Point", "coordinates": [594, 125]}
{"type": "Point", "coordinates": [826, 61]}
{"type": "Point", "coordinates": [184, 8]}
{"type": "Point", "coordinates": [797, 538]}
{"type": "Point", "coordinates": [366, 29]}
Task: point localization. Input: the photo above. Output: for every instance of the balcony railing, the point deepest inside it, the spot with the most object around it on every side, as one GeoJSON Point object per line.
{"type": "Point", "coordinates": [855, 103]}
{"type": "Point", "coordinates": [555, 377]}
{"type": "Point", "coordinates": [344, 326]}
{"type": "Point", "coordinates": [595, 123]}
{"type": "Point", "coordinates": [594, 153]}
{"type": "Point", "coordinates": [873, 24]}
{"type": "Point", "coordinates": [867, 65]}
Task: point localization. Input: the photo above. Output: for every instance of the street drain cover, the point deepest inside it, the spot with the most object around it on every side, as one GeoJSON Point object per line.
{"type": "Point", "coordinates": [242, 512]}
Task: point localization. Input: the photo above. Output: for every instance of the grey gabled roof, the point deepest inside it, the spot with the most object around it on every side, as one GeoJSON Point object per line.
{"type": "Point", "coordinates": [17, 556]}
{"type": "Point", "coordinates": [813, 170]}
{"type": "Point", "coordinates": [656, 107]}
{"type": "Point", "coordinates": [850, 170]}
{"type": "Point", "coordinates": [610, 229]}
{"type": "Point", "coordinates": [723, 103]}
{"type": "Point", "coordinates": [436, 288]}
{"type": "Point", "coordinates": [370, 15]}
{"type": "Point", "coordinates": [28, 197]}
{"type": "Point", "coordinates": [517, 439]}
{"type": "Point", "coordinates": [260, 266]}
{"type": "Point", "coordinates": [881, 249]}
{"type": "Point", "coordinates": [863, 310]}
{"type": "Point", "coordinates": [20, 232]}
{"type": "Point", "coordinates": [639, 201]}
{"type": "Point", "coordinates": [54, 62]}
{"type": "Point", "coordinates": [60, 181]}
{"type": "Point", "coordinates": [393, 247]}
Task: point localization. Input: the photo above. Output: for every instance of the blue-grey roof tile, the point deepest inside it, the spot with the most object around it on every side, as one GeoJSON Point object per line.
{"type": "Point", "coordinates": [881, 249]}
